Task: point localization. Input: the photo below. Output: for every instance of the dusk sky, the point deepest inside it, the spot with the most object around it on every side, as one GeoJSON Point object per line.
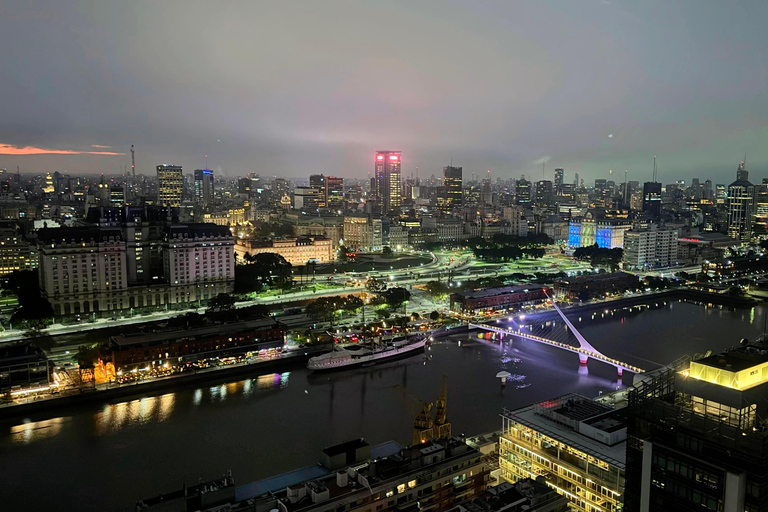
{"type": "Point", "coordinates": [292, 88]}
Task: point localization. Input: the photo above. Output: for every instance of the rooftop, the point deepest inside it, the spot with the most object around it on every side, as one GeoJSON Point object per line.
{"type": "Point", "coordinates": [262, 323]}
{"type": "Point", "coordinates": [739, 359]}
{"type": "Point", "coordinates": [502, 290]}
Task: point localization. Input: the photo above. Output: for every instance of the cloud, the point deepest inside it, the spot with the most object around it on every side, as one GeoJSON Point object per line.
{"type": "Point", "coordinates": [542, 160]}
{"type": "Point", "coordinates": [9, 149]}
{"type": "Point", "coordinates": [100, 146]}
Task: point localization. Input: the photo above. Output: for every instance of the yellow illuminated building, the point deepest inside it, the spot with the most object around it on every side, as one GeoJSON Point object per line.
{"type": "Point", "coordinates": [575, 443]}
{"type": "Point", "coordinates": [735, 378]}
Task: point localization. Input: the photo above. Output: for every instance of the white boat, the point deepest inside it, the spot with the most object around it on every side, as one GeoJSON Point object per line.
{"type": "Point", "coordinates": [359, 355]}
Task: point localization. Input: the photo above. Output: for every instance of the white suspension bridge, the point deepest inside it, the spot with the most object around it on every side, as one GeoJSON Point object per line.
{"type": "Point", "coordinates": [584, 350]}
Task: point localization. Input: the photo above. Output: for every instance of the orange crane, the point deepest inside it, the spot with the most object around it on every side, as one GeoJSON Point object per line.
{"type": "Point", "coordinates": [425, 427]}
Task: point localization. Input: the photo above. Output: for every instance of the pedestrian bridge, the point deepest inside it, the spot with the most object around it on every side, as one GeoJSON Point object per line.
{"type": "Point", "coordinates": [584, 350]}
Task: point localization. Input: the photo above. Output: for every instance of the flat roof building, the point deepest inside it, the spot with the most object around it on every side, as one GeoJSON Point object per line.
{"type": "Point", "coordinates": [497, 299]}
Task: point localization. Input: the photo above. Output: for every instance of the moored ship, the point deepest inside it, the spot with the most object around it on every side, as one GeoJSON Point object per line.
{"type": "Point", "coordinates": [359, 355]}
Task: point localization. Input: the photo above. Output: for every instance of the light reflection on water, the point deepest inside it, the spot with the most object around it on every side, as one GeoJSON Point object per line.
{"type": "Point", "coordinates": [147, 410]}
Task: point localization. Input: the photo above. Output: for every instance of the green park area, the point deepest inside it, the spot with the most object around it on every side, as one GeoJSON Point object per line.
{"type": "Point", "coordinates": [374, 262]}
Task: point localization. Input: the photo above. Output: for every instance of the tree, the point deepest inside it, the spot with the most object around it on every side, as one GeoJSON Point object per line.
{"type": "Point", "coordinates": [324, 308]}
{"type": "Point", "coordinates": [221, 302]}
{"type": "Point", "coordinates": [87, 355]}
{"type": "Point", "coordinates": [395, 297]}
{"type": "Point", "coordinates": [264, 269]}
{"type": "Point", "coordinates": [387, 250]}
{"type": "Point", "coordinates": [434, 316]}
{"type": "Point", "coordinates": [437, 290]}
{"type": "Point", "coordinates": [352, 303]}
{"type": "Point", "coordinates": [374, 285]}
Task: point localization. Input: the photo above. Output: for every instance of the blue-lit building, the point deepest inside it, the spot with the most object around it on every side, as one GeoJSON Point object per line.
{"type": "Point", "coordinates": [606, 233]}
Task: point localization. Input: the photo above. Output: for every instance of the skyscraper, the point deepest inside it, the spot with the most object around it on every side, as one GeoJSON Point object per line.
{"type": "Point", "coordinates": [317, 181]}
{"type": "Point", "coordinates": [386, 184]}
{"type": "Point", "coordinates": [523, 191]}
{"type": "Point", "coordinates": [170, 185]}
{"type": "Point", "coordinates": [652, 199]}
{"type": "Point", "coordinates": [203, 187]}
{"type": "Point", "coordinates": [559, 175]}
{"type": "Point", "coordinates": [452, 196]}
{"type": "Point", "coordinates": [741, 203]}
{"type": "Point", "coordinates": [334, 192]}
{"type": "Point", "coordinates": [543, 193]}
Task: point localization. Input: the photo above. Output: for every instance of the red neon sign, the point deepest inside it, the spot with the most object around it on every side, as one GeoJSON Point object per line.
{"type": "Point", "coordinates": [393, 157]}
{"type": "Point", "coordinates": [379, 157]}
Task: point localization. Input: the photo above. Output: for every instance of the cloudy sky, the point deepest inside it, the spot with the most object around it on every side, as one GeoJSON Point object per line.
{"type": "Point", "coordinates": [291, 88]}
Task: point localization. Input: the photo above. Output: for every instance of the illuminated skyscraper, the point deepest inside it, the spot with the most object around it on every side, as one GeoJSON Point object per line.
{"type": "Point", "coordinates": [170, 185]}
{"type": "Point", "coordinates": [741, 203]}
{"type": "Point", "coordinates": [452, 194]}
{"type": "Point", "coordinates": [386, 184]}
{"type": "Point", "coordinates": [334, 192]}
{"type": "Point", "coordinates": [203, 187]}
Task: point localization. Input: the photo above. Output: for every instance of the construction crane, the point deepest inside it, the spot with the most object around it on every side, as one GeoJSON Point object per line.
{"type": "Point", "coordinates": [425, 427]}
{"type": "Point", "coordinates": [133, 162]}
{"type": "Point", "coordinates": [442, 425]}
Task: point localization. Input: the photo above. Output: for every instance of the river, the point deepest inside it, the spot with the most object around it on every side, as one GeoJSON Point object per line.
{"type": "Point", "coordinates": [107, 456]}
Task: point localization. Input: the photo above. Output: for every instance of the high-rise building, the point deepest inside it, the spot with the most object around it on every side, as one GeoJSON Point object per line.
{"type": "Point", "coordinates": [452, 190]}
{"type": "Point", "coordinates": [170, 185]}
{"type": "Point", "coordinates": [741, 203]}
{"type": "Point", "coordinates": [559, 176]}
{"type": "Point", "coordinates": [543, 193]}
{"type": "Point", "coordinates": [652, 199]}
{"type": "Point", "coordinates": [307, 198]}
{"type": "Point", "coordinates": [334, 192]}
{"type": "Point", "coordinates": [317, 181]}
{"type": "Point", "coordinates": [523, 192]}
{"type": "Point", "coordinates": [386, 182]}
{"type": "Point", "coordinates": [204, 187]}
{"type": "Point", "coordinates": [696, 435]}
{"type": "Point", "coordinates": [576, 180]}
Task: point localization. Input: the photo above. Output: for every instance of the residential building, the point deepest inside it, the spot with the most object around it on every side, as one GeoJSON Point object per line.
{"type": "Point", "coordinates": [523, 192]}
{"type": "Point", "coordinates": [398, 238]}
{"type": "Point", "coordinates": [170, 185]}
{"type": "Point", "coordinates": [526, 495]}
{"type": "Point", "coordinates": [434, 476]}
{"type": "Point", "coordinates": [204, 187]}
{"type": "Point", "coordinates": [544, 193]}
{"type": "Point", "coordinates": [577, 444]}
{"type": "Point", "coordinates": [696, 434]}
{"type": "Point", "coordinates": [652, 247]}
{"type": "Point", "coordinates": [296, 251]}
{"type": "Point", "coordinates": [386, 181]}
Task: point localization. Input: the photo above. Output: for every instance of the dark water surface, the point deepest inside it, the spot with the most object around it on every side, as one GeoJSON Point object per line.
{"type": "Point", "coordinates": [105, 457]}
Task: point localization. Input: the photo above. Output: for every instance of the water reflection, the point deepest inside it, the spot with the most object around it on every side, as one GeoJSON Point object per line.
{"type": "Point", "coordinates": [37, 430]}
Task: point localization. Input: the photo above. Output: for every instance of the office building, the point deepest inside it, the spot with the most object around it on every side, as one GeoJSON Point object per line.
{"type": "Point", "coordinates": [652, 199]}
{"type": "Point", "coordinates": [317, 182]}
{"type": "Point", "coordinates": [649, 248]}
{"type": "Point", "coordinates": [697, 438]}
{"type": "Point", "coordinates": [334, 193]}
{"type": "Point", "coordinates": [16, 253]}
{"type": "Point", "coordinates": [203, 187]}
{"type": "Point", "coordinates": [741, 204]}
{"type": "Point", "coordinates": [363, 233]}
{"type": "Point", "coordinates": [308, 198]}
{"type": "Point", "coordinates": [452, 192]}
{"type": "Point", "coordinates": [386, 181]}
{"type": "Point", "coordinates": [170, 185]}
{"type": "Point", "coordinates": [544, 194]}
{"type": "Point", "coordinates": [577, 444]}
{"type": "Point", "coordinates": [559, 179]}
{"type": "Point", "coordinates": [523, 192]}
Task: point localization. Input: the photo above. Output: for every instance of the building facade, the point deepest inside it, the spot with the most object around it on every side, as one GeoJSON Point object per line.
{"type": "Point", "coordinates": [296, 251]}
{"type": "Point", "coordinates": [363, 234]}
{"type": "Point", "coordinates": [653, 247]}
{"type": "Point", "coordinates": [575, 443]}
{"type": "Point", "coordinates": [741, 203]}
{"type": "Point", "coordinates": [386, 181]}
{"type": "Point", "coordinates": [170, 185]}
{"type": "Point", "coordinates": [204, 187]}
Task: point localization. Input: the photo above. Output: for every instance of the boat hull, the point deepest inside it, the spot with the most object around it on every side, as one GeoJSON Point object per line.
{"type": "Point", "coordinates": [403, 354]}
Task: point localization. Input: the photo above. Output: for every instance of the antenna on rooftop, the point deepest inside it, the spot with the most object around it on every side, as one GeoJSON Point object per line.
{"type": "Point", "coordinates": [133, 161]}
{"type": "Point", "coordinates": [654, 168]}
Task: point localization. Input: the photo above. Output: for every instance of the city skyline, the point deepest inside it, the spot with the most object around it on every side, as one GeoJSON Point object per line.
{"type": "Point", "coordinates": [605, 86]}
